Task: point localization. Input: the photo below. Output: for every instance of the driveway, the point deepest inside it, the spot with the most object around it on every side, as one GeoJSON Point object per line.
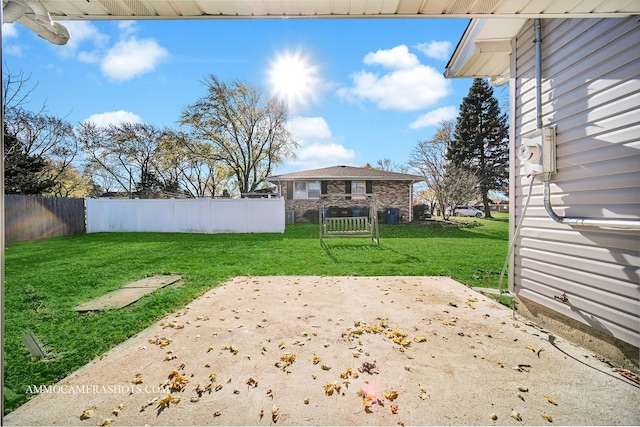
{"type": "Point", "coordinates": [340, 351]}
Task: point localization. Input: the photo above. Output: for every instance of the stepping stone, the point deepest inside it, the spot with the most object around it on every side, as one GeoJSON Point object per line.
{"type": "Point", "coordinates": [129, 293]}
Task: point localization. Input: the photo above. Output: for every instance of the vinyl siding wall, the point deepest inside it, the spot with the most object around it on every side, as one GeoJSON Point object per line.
{"type": "Point", "coordinates": [591, 92]}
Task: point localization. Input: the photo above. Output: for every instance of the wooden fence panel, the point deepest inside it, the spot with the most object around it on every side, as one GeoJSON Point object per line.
{"type": "Point", "coordinates": [39, 217]}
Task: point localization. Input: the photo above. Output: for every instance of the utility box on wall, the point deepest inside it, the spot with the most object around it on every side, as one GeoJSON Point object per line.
{"type": "Point", "coordinates": [538, 151]}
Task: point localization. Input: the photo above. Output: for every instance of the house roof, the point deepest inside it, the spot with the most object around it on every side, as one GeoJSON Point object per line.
{"type": "Point", "coordinates": [342, 172]}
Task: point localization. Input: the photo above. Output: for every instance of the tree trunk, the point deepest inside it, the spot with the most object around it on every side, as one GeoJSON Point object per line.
{"type": "Point", "coordinates": [485, 202]}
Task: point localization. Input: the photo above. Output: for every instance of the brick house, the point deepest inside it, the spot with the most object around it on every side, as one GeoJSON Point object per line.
{"type": "Point", "coordinates": [302, 190]}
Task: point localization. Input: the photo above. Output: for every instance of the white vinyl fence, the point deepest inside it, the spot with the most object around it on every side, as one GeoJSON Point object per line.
{"type": "Point", "coordinates": [186, 215]}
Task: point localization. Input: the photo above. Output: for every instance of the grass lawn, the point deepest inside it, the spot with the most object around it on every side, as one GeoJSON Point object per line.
{"type": "Point", "coordinates": [45, 279]}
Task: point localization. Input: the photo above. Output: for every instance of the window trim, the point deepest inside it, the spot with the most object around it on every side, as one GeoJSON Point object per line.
{"type": "Point", "coordinates": [361, 187]}
{"type": "Point", "coordinates": [297, 194]}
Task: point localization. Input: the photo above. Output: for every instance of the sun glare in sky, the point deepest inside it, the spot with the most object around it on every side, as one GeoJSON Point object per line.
{"type": "Point", "coordinates": [293, 79]}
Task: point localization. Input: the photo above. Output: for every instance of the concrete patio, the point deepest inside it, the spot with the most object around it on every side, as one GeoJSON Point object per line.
{"type": "Point", "coordinates": [340, 351]}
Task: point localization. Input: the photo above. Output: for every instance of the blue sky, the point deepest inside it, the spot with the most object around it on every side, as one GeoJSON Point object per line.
{"type": "Point", "coordinates": [370, 88]}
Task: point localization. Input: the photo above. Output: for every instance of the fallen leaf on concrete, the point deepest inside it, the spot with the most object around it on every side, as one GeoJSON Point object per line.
{"type": "Point", "coordinates": [494, 417]}
{"type": "Point", "coordinates": [368, 367]}
{"type": "Point", "coordinates": [523, 389]}
{"type": "Point", "coordinates": [451, 322]}
{"type": "Point", "coordinates": [516, 415]}
{"type": "Point", "coordinates": [346, 374]}
{"type": "Point", "coordinates": [117, 410]}
{"type": "Point", "coordinates": [161, 341]}
{"type": "Point", "coordinates": [107, 422]}
{"type": "Point", "coordinates": [274, 414]}
{"type": "Point", "coordinates": [369, 393]}
{"type": "Point", "coordinates": [530, 347]}
{"type": "Point", "coordinates": [149, 403]}
{"type": "Point", "coordinates": [422, 393]}
{"type": "Point", "coordinates": [391, 395]}
{"type": "Point", "coordinates": [551, 400]}
{"type": "Point", "coordinates": [288, 359]}
{"type": "Point", "coordinates": [546, 417]}
{"type": "Point", "coordinates": [179, 383]}
{"type": "Point", "coordinates": [87, 413]}
{"type": "Point", "coordinates": [164, 403]}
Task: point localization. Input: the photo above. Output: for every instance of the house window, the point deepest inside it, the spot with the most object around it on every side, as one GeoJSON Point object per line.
{"type": "Point", "coordinates": [358, 189]}
{"type": "Point", "coordinates": [306, 190]}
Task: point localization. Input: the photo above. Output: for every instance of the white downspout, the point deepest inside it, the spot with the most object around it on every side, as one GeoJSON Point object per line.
{"type": "Point", "coordinates": [622, 224]}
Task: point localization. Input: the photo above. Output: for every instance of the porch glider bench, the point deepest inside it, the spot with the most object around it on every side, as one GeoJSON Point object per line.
{"type": "Point", "coordinates": [349, 226]}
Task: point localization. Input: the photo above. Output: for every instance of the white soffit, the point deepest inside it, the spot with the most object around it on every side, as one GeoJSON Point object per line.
{"type": "Point", "coordinates": [484, 50]}
{"type": "Point", "coordinates": [210, 9]}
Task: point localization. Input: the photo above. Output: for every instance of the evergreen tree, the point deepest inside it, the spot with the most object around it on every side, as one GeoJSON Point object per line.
{"type": "Point", "coordinates": [481, 140]}
{"type": "Point", "coordinates": [23, 173]}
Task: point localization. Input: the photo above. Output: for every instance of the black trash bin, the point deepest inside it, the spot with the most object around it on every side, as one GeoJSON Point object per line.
{"type": "Point", "coordinates": [392, 216]}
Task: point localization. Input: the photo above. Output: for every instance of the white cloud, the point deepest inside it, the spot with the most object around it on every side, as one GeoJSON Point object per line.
{"type": "Point", "coordinates": [12, 50]}
{"type": "Point", "coordinates": [315, 156]}
{"type": "Point", "coordinates": [131, 58]}
{"type": "Point", "coordinates": [82, 33]}
{"type": "Point", "coordinates": [309, 128]}
{"type": "Point", "coordinates": [434, 117]}
{"type": "Point", "coordinates": [317, 146]}
{"type": "Point", "coordinates": [113, 118]}
{"type": "Point", "coordinates": [396, 58]}
{"type": "Point", "coordinates": [127, 28]}
{"type": "Point", "coordinates": [9, 30]}
{"type": "Point", "coordinates": [128, 58]}
{"type": "Point", "coordinates": [405, 90]}
{"type": "Point", "coordinates": [435, 49]}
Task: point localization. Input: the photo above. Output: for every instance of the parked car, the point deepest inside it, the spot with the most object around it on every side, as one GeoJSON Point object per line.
{"type": "Point", "coordinates": [467, 211]}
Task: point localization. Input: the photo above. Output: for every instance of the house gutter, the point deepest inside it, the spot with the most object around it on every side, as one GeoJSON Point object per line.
{"type": "Point", "coordinates": [621, 224]}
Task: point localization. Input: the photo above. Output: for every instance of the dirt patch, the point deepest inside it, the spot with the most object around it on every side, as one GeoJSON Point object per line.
{"type": "Point", "coordinates": [340, 351]}
{"type": "Point", "coordinates": [129, 293]}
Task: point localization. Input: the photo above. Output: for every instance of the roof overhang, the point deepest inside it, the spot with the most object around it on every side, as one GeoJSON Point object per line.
{"type": "Point", "coordinates": [42, 15]}
{"type": "Point", "coordinates": [485, 50]}
{"type": "Point", "coordinates": [207, 9]}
